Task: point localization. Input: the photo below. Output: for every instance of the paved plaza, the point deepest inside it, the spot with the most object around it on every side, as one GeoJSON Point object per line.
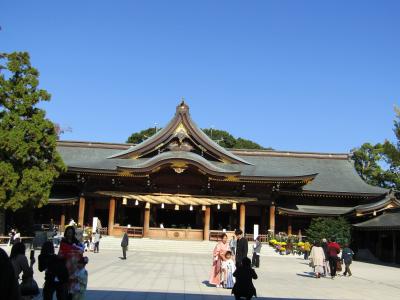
{"type": "Point", "coordinates": [163, 276]}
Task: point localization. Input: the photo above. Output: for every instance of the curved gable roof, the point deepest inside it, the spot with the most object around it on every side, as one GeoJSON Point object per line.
{"type": "Point", "coordinates": [181, 124]}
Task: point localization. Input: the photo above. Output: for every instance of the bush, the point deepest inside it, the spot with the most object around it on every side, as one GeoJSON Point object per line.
{"type": "Point", "coordinates": [329, 227]}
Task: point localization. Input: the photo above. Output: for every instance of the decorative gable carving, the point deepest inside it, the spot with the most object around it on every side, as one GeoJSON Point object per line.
{"type": "Point", "coordinates": [181, 134]}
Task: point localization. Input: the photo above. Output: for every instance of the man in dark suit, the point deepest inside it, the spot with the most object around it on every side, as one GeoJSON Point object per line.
{"type": "Point", "coordinates": [241, 247]}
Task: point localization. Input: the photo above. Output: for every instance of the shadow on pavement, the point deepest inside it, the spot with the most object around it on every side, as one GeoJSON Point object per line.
{"type": "Point", "coordinates": [306, 274]}
{"type": "Point", "coordinates": [207, 283]}
{"type": "Point", "coordinates": [140, 295]}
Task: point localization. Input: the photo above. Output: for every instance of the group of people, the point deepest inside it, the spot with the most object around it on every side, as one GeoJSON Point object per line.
{"type": "Point", "coordinates": [65, 273]}
{"type": "Point", "coordinates": [231, 268]}
{"type": "Point", "coordinates": [327, 257]}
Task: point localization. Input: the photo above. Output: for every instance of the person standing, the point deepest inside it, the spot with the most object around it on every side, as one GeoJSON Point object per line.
{"type": "Point", "coordinates": [333, 251]}
{"type": "Point", "coordinates": [8, 281]}
{"type": "Point", "coordinates": [347, 257]}
{"type": "Point", "coordinates": [11, 235]}
{"type": "Point", "coordinates": [56, 273]}
{"type": "Point", "coordinates": [255, 262]}
{"type": "Point", "coordinates": [307, 249]}
{"type": "Point", "coordinates": [242, 247]}
{"type": "Point", "coordinates": [218, 257]}
{"type": "Point", "coordinates": [124, 244]}
{"type": "Point", "coordinates": [80, 278]}
{"type": "Point", "coordinates": [324, 246]}
{"type": "Point", "coordinates": [20, 264]}
{"type": "Point", "coordinates": [317, 259]}
{"type": "Point", "coordinates": [96, 241]}
{"type": "Point", "coordinates": [228, 268]}
{"type": "Point", "coordinates": [244, 275]}
{"type": "Point", "coordinates": [232, 245]}
{"type": "Point", "coordinates": [72, 251]}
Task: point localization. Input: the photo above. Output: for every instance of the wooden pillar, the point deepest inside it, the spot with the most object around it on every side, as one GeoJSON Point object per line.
{"type": "Point", "coordinates": [272, 218]}
{"type": "Point", "coordinates": [81, 214]}
{"type": "Point", "coordinates": [289, 226]}
{"type": "Point", "coordinates": [111, 216]}
{"type": "Point", "coordinates": [263, 226]}
{"type": "Point", "coordinates": [206, 230]}
{"type": "Point", "coordinates": [62, 221]}
{"type": "Point", "coordinates": [146, 222]}
{"type": "Point", "coordinates": [242, 218]}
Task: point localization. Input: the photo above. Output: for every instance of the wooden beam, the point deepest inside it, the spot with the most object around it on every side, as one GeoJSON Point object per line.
{"type": "Point", "coordinates": [81, 214]}
{"type": "Point", "coordinates": [289, 230]}
{"type": "Point", "coordinates": [272, 218]}
{"type": "Point", "coordinates": [146, 222]}
{"type": "Point", "coordinates": [206, 230]}
{"type": "Point", "coordinates": [242, 218]}
{"type": "Point", "coordinates": [62, 221]}
{"type": "Point", "coordinates": [111, 216]}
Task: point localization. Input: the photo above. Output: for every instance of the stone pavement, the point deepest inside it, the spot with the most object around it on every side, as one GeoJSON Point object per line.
{"type": "Point", "coordinates": [163, 276]}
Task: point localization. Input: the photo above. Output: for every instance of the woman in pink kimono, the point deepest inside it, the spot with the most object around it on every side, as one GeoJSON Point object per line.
{"type": "Point", "coordinates": [219, 256]}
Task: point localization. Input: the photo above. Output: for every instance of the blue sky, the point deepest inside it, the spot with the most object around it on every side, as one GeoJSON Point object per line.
{"type": "Point", "coordinates": [293, 75]}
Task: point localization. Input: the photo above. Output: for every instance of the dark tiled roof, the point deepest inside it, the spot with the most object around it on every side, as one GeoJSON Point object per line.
{"type": "Point", "coordinates": [388, 200]}
{"type": "Point", "coordinates": [308, 210]}
{"type": "Point", "coordinates": [335, 174]}
{"type": "Point", "coordinates": [389, 220]}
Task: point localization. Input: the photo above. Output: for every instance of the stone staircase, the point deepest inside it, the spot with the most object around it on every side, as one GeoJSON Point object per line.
{"type": "Point", "coordinates": [171, 246]}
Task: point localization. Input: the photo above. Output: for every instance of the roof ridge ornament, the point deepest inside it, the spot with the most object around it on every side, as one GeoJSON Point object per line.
{"type": "Point", "coordinates": [181, 127]}
{"type": "Point", "coordinates": [182, 107]}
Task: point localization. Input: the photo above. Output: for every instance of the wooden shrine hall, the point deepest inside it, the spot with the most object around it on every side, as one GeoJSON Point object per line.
{"type": "Point", "coordinates": [180, 184]}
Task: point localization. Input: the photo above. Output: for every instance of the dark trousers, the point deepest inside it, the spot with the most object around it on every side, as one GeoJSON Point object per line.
{"type": "Point", "coordinates": [96, 247]}
{"type": "Point", "coordinates": [255, 261]}
{"type": "Point", "coordinates": [347, 270]}
{"type": "Point", "coordinates": [332, 265]}
{"type": "Point", "coordinates": [124, 252]}
{"type": "Point", "coordinates": [59, 289]}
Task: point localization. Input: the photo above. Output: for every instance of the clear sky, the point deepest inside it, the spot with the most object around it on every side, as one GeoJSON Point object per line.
{"type": "Point", "coordinates": [293, 75]}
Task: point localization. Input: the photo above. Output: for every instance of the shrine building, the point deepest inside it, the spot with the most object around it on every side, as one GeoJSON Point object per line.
{"type": "Point", "coordinates": [180, 184]}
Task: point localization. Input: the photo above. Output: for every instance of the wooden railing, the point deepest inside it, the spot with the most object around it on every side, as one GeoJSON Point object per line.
{"type": "Point", "coordinates": [104, 231]}
{"type": "Point", "coordinates": [135, 232]}
{"type": "Point", "coordinates": [263, 237]}
{"type": "Point", "coordinates": [27, 240]}
{"type": "Point", "coordinates": [215, 235]}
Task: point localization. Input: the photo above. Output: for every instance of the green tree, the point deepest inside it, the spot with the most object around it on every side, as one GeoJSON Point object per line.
{"type": "Point", "coordinates": [138, 137]}
{"type": "Point", "coordinates": [29, 161]}
{"type": "Point", "coordinates": [392, 155]}
{"type": "Point", "coordinates": [329, 227]}
{"type": "Point", "coordinates": [222, 137]}
{"type": "Point", "coordinates": [380, 164]}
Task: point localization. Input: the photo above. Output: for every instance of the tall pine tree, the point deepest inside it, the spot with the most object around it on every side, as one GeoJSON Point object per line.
{"type": "Point", "coordinates": [29, 162]}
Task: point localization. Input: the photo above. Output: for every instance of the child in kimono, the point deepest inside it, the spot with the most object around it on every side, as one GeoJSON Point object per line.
{"type": "Point", "coordinates": [228, 267]}
{"type": "Point", "coordinates": [80, 278]}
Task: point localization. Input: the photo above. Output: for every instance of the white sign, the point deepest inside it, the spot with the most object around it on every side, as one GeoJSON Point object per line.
{"type": "Point", "coordinates": [255, 232]}
{"type": "Point", "coordinates": [94, 225]}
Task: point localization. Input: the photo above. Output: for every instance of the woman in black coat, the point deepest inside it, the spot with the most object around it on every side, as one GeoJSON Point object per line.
{"type": "Point", "coordinates": [8, 281]}
{"type": "Point", "coordinates": [56, 276]}
{"type": "Point", "coordinates": [244, 281]}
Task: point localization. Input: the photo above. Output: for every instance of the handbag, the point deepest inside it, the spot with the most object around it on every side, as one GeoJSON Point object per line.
{"type": "Point", "coordinates": [29, 287]}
